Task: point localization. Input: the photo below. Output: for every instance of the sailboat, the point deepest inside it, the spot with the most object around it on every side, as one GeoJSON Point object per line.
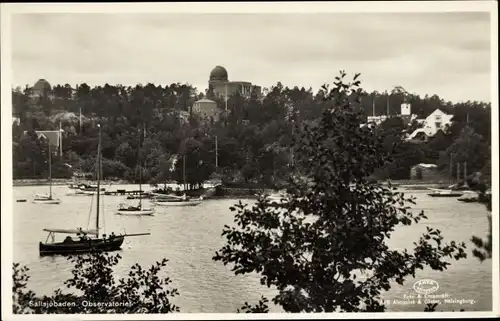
{"type": "Point", "coordinates": [173, 200]}
{"type": "Point", "coordinates": [444, 193]}
{"type": "Point", "coordinates": [90, 239]}
{"type": "Point", "coordinates": [136, 210]}
{"type": "Point", "coordinates": [178, 201]}
{"type": "Point", "coordinates": [44, 198]}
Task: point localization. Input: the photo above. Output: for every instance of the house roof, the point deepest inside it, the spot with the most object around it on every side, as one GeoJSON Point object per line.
{"type": "Point", "coordinates": [51, 135]}
{"type": "Point", "coordinates": [426, 165]}
{"type": "Point", "coordinates": [440, 111]}
{"type": "Point", "coordinates": [204, 100]}
{"type": "Point", "coordinates": [416, 132]}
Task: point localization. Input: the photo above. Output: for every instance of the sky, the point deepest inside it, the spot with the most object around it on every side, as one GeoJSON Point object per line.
{"type": "Point", "coordinates": [447, 54]}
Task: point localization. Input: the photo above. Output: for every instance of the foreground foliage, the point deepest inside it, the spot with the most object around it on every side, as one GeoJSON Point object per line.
{"type": "Point", "coordinates": [483, 247]}
{"type": "Point", "coordinates": [97, 290]}
{"type": "Point", "coordinates": [324, 248]}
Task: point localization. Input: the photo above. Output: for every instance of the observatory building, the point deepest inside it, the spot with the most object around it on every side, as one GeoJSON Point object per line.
{"type": "Point", "coordinates": [222, 87]}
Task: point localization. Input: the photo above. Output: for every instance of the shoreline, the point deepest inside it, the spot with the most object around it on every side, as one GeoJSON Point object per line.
{"type": "Point", "coordinates": [226, 192]}
{"type": "Point", "coordinates": [64, 181]}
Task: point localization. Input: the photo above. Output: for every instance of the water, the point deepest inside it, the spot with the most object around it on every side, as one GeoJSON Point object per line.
{"type": "Point", "coordinates": [189, 237]}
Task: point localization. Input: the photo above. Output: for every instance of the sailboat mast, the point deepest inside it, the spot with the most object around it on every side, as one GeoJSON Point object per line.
{"type": "Point", "coordinates": [216, 153]}
{"type": "Point", "coordinates": [140, 170]}
{"type": "Point", "coordinates": [451, 168]}
{"type": "Point", "coordinates": [98, 180]}
{"type": "Point", "coordinates": [184, 171]}
{"type": "Point", "coordinates": [50, 171]}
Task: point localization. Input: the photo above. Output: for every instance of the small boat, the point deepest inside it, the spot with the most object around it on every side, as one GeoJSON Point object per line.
{"type": "Point", "coordinates": [89, 240]}
{"type": "Point", "coordinates": [78, 192]}
{"type": "Point", "coordinates": [134, 210]}
{"type": "Point", "coordinates": [445, 193]}
{"type": "Point", "coordinates": [469, 199]}
{"type": "Point", "coordinates": [180, 201]}
{"type": "Point", "coordinates": [91, 190]}
{"type": "Point", "coordinates": [21, 200]}
{"type": "Point", "coordinates": [81, 186]}
{"type": "Point", "coordinates": [141, 196]}
{"type": "Point", "coordinates": [124, 209]}
{"type": "Point", "coordinates": [174, 200]}
{"type": "Point", "coordinates": [172, 197]}
{"type": "Point", "coordinates": [163, 195]}
{"type": "Point", "coordinates": [46, 199]}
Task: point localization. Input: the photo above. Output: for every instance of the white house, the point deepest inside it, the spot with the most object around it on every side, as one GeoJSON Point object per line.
{"type": "Point", "coordinates": [437, 120]}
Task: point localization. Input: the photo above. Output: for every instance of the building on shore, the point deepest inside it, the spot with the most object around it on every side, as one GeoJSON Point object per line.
{"type": "Point", "coordinates": [425, 172]}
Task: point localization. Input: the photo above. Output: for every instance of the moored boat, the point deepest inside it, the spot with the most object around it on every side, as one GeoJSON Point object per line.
{"type": "Point", "coordinates": [83, 244]}
{"type": "Point", "coordinates": [78, 192]}
{"type": "Point", "coordinates": [46, 199]}
{"type": "Point", "coordinates": [134, 210]}
{"type": "Point", "coordinates": [143, 196]}
{"type": "Point", "coordinates": [88, 240]}
{"type": "Point", "coordinates": [178, 202]}
{"type": "Point", "coordinates": [445, 193]}
{"type": "Point", "coordinates": [469, 199]}
{"type": "Point", "coordinates": [125, 209]}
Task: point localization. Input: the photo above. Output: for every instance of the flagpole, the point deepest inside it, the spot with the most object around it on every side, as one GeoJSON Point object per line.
{"type": "Point", "coordinates": [80, 119]}
{"type": "Point", "coordinates": [216, 154]}
{"type": "Point", "coordinates": [387, 103]}
{"type": "Point", "coordinates": [60, 138]}
{"type": "Point", "coordinates": [226, 99]}
{"type": "Point", "coordinates": [373, 106]}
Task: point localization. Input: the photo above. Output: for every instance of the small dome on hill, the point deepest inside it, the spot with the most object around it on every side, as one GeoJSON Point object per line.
{"type": "Point", "coordinates": [42, 85]}
{"type": "Point", "coordinates": [219, 73]}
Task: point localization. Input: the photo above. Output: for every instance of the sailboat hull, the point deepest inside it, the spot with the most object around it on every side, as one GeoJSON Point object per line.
{"type": "Point", "coordinates": [451, 194]}
{"type": "Point", "coordinates": [80, 247]}
{"type": "Point", "coordinates": [178, 203]}
{"type": "Point", "coordinates": [78, 194]}
{"type": "Point", "coordinates": [138, 212]}
{"type": "Point", "coordinates": [47, 201]}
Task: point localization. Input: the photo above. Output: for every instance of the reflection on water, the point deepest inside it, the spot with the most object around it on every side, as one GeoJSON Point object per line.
{"type": "Point", "coordinates": [189, 237]}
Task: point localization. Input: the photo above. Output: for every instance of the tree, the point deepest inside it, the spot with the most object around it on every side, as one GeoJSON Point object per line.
{"type": "Point", "coordinates": [469, 147]}
{"type": "Point", "coordinates": [332, 228]}
{"type": "Point", "coordinates": [143, 291]}
{"type": "Point", "coordinates": [194, 164]}
{"type": "Point", "coordinates": [483, 247]}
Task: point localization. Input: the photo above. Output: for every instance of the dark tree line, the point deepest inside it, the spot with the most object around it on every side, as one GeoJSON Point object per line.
{"type": "Point", "coordinates": [254, 137]}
